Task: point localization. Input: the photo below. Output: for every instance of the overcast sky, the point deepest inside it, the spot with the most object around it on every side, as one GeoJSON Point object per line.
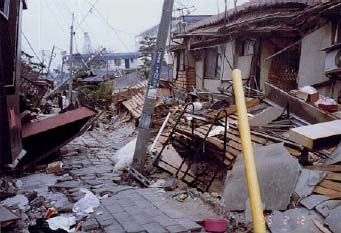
{"type": "Point", "coordinates": [112, 24]}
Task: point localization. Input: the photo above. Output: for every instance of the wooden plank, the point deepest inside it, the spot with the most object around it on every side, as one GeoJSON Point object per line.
{"type": "Point", "coordinates": [327, 192]}
{"type": "Point", "coordinates": [330, 168]}
{"type": "Point", "coordinates": [333, 176]}
{"type": "Point", "coordinates": [331, 185]}
{"type": "Point", "coordinates": [318, 136]}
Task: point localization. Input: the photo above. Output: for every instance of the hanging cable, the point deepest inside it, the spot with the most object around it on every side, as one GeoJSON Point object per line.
{"type": "Point", "coordinates": [29, 44]}
{"type": "Point", "coordinates": [87, 13]}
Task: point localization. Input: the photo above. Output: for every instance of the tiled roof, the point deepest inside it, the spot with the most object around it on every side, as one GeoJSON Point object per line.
{"type": "Point", "coordinates": [250, 6]}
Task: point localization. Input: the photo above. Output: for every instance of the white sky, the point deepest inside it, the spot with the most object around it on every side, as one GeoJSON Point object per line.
{"type": "Point", "coordinates": [47, 22]}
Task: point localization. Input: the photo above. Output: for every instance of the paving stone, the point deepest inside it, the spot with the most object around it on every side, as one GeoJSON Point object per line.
{"type": "Point", "coordinates": [125, 202]}
{"type": "Point", "coordinates": [90, 224]}
{"type": "Point", "coordinates": [164, 220]}
{"type": "Point", "coordinates": [105, 215]}
{"type": "Point", "coordinates": [122, 217]}
{"type": "Point", "coordinates": [176, 229]}
{"type": "Point", "coordinates": [131, 209]}
{"type": "Point", "coordinates": [115, 208]}
{"type": "Point", "coordinates": [64, 178]}
{"type": "Point", "coordinates": [66, 185]}
{"type": "Point", "coordinates": [108, 201]}
{"type": "Point", "coordinates": [93, 182]}
{"type": "Point", "coordinates": [106, 222]}
{"type": "Point", "coordinates": [114, 229]}
{"type": "Point", "coordinates": [172, 213]}
{"type": "Point", "coordinates": [143, 218]}
{"type": "Point", "coordinates": [143, 204]}
{"type": "Point", "coordinates": [98, 163]}
{"type": "Point", "coordinates": [132, 227]}
{"type": "Point", "coordinates": [153, 211]}
{"type": "Point", "coordinates": [154, 228]}
{"type": "Point", "coordinates": [189, 224]}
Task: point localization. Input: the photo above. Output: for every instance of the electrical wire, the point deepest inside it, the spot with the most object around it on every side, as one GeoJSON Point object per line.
{"type": "Point", "coordinates": [88, 12]}
{"type": "Point", "coordinates": [55, 17]}
{"type": "Point", "coordinates": [100, 16]}
{"type": "Point", "coordinates": [31, 47]}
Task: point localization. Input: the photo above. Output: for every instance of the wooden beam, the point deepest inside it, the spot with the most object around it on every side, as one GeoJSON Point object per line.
{"type": "Point", "coordinates": [318, 136]}
{"type": "Point", "coordinates": [298, 107]}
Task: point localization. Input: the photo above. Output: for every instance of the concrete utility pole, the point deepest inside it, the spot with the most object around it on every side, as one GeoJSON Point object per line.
{"type": "Point", "coordinates": [71, 59]}
{"type": "Point", "coordinates": [149, 103]}
{"type": "Point", "coordinates": [50, 61]}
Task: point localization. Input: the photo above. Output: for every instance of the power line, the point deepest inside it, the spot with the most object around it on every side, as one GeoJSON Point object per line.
{"type": "Point", "coordinates": [111, 27]}
{"type": "Point", "coordinates": [31, 47]}
{"type": "Point", "coordinates": [52, 11]}
{"type": "Point", "coordinates": [87, 13]}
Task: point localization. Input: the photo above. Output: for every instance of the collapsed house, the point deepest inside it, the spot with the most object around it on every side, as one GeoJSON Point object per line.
{"type": "Point", "coordinates": [288, 44]}
{"type": "Point", "coordinates": [23, 96]}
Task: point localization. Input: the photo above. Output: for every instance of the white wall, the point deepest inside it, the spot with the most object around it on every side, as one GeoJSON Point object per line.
{"type": "Point", "coordinates": [227, 73]}
{"type": "Point", "coordinates": [212, 85]}
{"type": "Point", "coordinates": [266, 51]}
{"type": "Point", "coordinates": [312, 60]}
{"type": "Point", "coordinates": [244, 64]}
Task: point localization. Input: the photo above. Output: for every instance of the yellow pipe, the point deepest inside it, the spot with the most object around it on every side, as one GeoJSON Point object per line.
{"type": "Point", "coordinates": [249, 160]}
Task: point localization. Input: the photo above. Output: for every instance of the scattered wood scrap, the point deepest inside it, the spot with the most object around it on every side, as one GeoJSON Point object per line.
{"type": "Point", "coordinates": [318, 136]}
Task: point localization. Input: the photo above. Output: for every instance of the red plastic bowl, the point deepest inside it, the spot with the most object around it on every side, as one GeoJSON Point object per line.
{"type": "Point", "coordinates": [215, 225]}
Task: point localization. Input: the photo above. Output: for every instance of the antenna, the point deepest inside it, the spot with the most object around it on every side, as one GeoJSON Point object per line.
{"type": "Point", "coordinates": [87, 49]}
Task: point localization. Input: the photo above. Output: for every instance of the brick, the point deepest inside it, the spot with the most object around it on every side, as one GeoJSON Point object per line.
{"type": "Point", "coordinates": [154, 228]}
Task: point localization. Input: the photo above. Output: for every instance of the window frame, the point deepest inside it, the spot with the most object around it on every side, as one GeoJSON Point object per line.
{"type": "Point", "coordinates": [6, 9]}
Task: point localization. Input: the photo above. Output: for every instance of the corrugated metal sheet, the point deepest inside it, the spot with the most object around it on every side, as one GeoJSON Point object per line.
{"type": "Point", "coordinates": [65, 118]}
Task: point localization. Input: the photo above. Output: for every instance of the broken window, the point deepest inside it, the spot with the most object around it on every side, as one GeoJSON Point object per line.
{"type": "Point", "coordinates": [4, 7]}
{"type": "Point", "coordinates": [247, 47]}
{"type": "Point", "coordinates": [211, 65]}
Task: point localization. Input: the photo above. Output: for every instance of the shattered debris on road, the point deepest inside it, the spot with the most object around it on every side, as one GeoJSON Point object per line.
{"type": "Point", "coordinates": [73, 138]}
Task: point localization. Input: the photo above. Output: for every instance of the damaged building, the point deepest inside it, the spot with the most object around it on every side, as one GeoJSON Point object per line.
{"type": "Point", "coordinates": [251, 103]}
{"type": "Point", "coordinates": [288, 44]}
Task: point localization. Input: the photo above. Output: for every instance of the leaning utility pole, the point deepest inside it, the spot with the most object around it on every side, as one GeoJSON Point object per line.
{"type": "Point", "coordinates": [50, 61]}
{"type": "Point", "coordinates": [149, 103]}
{"type": "Point", "coordinates": [71, 59]}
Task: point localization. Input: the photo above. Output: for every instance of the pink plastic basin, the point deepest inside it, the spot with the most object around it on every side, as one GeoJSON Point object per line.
{"type": "Point", "coordinates": [215, 225]}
